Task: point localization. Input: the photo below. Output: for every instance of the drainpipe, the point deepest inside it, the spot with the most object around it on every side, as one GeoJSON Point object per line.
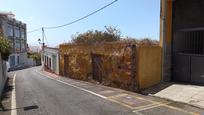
{"type": "Point", "coordinates": [163, 35]}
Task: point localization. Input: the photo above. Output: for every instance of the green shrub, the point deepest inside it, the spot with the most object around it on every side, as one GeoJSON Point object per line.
{"type": "Point", "coordinates": [96, 36]}
{"type": "Point", "coordinates": [5, 48]}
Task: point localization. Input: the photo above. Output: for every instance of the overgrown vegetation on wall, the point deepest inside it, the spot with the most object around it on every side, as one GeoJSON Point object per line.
{"type": "Point", "coordinates": [95, 36]}
{"type": "Point", "coordinates": [5, 47]}
{"type": "Point", "coordinates": [105, 57]}
{"type": "Point", "coordinates": [111, 34]}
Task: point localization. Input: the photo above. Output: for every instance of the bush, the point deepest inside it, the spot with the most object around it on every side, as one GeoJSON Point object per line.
{"type": "Point", "coordinates": [89, 37]}
{"type": "Point", "coordinates": [5, 48]}
{"type": "Point", "coordinates": [35, 56]}
{"type": "Point", "coordinates": [141, 42]}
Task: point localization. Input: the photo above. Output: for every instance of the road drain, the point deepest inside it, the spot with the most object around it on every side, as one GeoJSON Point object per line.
{"type": "Point", "coordinates": [30, 107]}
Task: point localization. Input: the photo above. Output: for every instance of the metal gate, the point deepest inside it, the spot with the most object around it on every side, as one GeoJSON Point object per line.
{"type": "Point", "coordinates": [182, 63]}
{"type": "Point", "coordinates": [188, 56]}
{"type": "Point", "coordinates": [66, 65]}
{"type": "Point", "coordinates": [96, 66]}
{"type": "Point", "coordinates": [197, 69]}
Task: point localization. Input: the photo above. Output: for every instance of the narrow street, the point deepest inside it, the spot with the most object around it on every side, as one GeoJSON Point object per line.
{"type": "Point", "coordinates": [37, 94]}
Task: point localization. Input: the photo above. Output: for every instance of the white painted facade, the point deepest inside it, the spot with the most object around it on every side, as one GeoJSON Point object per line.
{"type": "Point", "coordinates": [15, 32]}
{"type": "Point", "coordinates": [51, 59]}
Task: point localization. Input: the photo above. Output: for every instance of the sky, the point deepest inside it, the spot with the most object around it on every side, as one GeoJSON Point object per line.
{"type": "Point", "coordinates": [134, 18]}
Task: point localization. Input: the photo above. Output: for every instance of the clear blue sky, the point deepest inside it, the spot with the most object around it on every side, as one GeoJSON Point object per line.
{"type": "Point", "coordinates": [135, 18]}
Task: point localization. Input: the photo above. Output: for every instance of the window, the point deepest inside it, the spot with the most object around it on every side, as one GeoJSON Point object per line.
{"type": "Point", "coordinates": [17, 32]}
{"type": "Point", "coordinates": [9, 31]}
{"type": "Point", "coordinates": [22, 34]}
{"type": "Point", "coordinates": [22, 45]}
{"type": "Point", "coordinates": [17, 45]}
{"type": "Point", "coordinates": [11, 44]}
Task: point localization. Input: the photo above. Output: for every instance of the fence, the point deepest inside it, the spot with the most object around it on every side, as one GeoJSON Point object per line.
{"type": "Point", "coordinates": [3, 74]}
{"type": "Point", "coordinates": [115, 64]}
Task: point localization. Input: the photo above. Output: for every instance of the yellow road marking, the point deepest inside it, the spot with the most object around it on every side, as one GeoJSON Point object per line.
{"type": "Point", "coordinates": [166, 105]}
{"type": "Point", "coordinates": [146, 108]}
{"type": "Point", "coordinates": [123, 104]}
{"type": "Point", "coordinates": [149, 105]}
{"type": "Point", "coordinates": [114, 99]}
{"type": "Point", "coordinates": [155, 102]}
{"type": "Point", "coordinates": [182, 110]}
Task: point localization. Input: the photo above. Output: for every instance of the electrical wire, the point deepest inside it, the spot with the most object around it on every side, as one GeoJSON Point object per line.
{"type": "Point", "coordinates": [84, 17]}
{"type": "Point", "coordinates": [75, 21]}
{"type": "Point", "coordinates": [35, 30]}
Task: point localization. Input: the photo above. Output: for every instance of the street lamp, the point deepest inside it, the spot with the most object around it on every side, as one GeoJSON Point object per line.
{"type": "Point", "coordinates": [39, 41]}
{"type": "Point", "coordinates": [43, 45]}
{"type": "Point", "coordinates": [42, 51]}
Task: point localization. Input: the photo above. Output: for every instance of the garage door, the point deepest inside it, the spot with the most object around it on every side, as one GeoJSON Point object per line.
{"type": "Point", "coordinates": [188, 56]}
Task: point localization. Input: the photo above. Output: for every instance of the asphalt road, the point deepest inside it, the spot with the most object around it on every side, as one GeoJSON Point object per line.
{"type": "Point", "coordinates": [50, 97]}
{"type": "Point", "coordinates": [39, 95]}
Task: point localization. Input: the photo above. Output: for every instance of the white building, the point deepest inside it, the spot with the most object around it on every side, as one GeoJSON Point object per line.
{"type": "Point", "coordinates": [51, 59]}
{"type": "Point", "coordinates": [15, 31]}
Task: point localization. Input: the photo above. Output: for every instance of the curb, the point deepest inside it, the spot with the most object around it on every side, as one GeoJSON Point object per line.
{"type": "Point", "coordinates": [189, 104]}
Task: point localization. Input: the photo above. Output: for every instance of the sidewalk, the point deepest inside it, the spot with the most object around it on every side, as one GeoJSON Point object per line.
{"type": "Point", "coordinates": [134, 101]}
{"type": "Point", "coordinates": [189, 94]}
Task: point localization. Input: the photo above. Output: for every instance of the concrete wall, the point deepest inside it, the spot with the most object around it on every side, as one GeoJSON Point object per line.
{"type": "Point", "coordinates": [3, 74]}
{"type": "Point", "coordinates": [149, 62]}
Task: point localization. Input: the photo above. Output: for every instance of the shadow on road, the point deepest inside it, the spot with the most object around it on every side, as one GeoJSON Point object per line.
{"type": "Point", "coordinates": [6, 94]}
{"type": "Point", "coordinates": [157, 88]}
{"type": "Point", "coordinates": [27, 108]}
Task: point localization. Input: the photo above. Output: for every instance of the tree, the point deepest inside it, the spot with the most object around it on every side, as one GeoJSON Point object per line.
{"type": "Point", "coordinates": [5, 47]}
{"type": "Point", "coordinates": [89, 37]}
{"type": "Point", "coordinates": [35, 56]}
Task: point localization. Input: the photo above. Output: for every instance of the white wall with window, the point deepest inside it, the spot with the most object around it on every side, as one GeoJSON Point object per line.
{"type": "Point", "coordinates": [51, 59]}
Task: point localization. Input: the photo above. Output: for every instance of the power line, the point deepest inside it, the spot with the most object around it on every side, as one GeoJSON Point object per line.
{"type": "Point", "coordinates": [55, 27]}
{"type": "Point", "coordinates": [38, 29]}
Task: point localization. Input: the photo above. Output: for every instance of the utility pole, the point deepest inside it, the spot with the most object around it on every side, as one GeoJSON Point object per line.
{"type": "Point", "coordinates": [43, 37]}
{"type": "Point", "coordinates": [43, 45]}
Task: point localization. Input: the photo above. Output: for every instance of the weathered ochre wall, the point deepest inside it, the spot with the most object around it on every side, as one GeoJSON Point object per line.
{"type": "Point", "coordinates": [149, 63]}
{"type": "Point", "coordinates": [115, 64]}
